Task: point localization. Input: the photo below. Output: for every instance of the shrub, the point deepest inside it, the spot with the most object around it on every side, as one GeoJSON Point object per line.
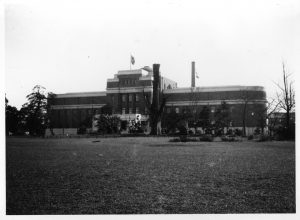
{"type": "Point", "coordinates": [81, 129]}
{"type": "Point", "coordinates": [208, 138]}
{"type": "Point", "coordinates": [262, 138]}
{"type": "Point", "coordinates": [229, 132]}
{"type": "Point", "coordinates": [108, 124]}
{"type": "Point", "coordinates": [183, 138]}
{"type": "Point", "coordinates": [250, 137]}
{"type": "Point", "coordinates": [174, 140]}
{"type": "Point", "coordinates": [228, 138]}
{"type": "Point", "coordinates": [257, 131]}
{"type": "Point", "coordinates": [238, 132]}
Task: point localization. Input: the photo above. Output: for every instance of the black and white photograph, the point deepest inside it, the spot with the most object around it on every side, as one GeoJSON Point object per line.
{"type": "Point", "coordinates": [145, 108]}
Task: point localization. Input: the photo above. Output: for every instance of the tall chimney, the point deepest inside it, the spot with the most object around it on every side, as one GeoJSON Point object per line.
{"type": "Point", "coordinates": [193, 74]}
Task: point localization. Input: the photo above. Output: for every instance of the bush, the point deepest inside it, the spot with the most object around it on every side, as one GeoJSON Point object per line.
{"type": "Point", "coordinates": [238, 132]}
{"type": "Point", "coordinates": [174, 140]}
{"type": "Point", "coordinates": [229, 132]}
{"type": "Point", "coordinates": [257, 131]}
{"type": "Point", "coordinates": [108, 124]}
{"type": "Point", "coordinates": [250, 137]}
{"type": "Point", "coordinates": [81, 130]}
{"type": "Point", "coordinates": [262, 138]}
{"type": "Point", "coordinates": [208, 138]}
{"type": "Point", "coordinates": [183, 139]}
{"type": "Point", "coordinates": [228, 138]}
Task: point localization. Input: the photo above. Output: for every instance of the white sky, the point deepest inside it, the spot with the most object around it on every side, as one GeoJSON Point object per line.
{"type": "Point", "coordinates": [75, 47]}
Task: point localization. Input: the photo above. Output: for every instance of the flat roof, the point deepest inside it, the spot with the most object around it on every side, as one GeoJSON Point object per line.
{"type": "Point", "coordinates": [80, 94]}
{"type": "Point", "coordinates": [214, 89]}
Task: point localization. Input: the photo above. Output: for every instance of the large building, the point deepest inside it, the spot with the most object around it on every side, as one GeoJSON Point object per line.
{"type": "Point", "coordinates": [125, 97]}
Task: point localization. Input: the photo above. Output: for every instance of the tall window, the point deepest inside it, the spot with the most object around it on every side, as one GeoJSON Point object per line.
{"type": "Point", "coordinates": [113, 100]}
{"type": "Point", "coordinates": [123, 111]}
{"type": "Point", "coordinates": [137, 97]}
{"type": "Point", "coordinates": [130, 110]}
{"type": "Point", "coordinates": [124, 98]}
{"type": "Point", "coordinates": [177, 110]}
{"type": "Point", "coordinates": [130, 97]}
{"type": "Point", "coordinates": [137, 110]}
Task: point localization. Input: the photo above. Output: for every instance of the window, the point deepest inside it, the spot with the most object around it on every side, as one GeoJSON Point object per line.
{"type": "Point", "coordinates": [124, 98]}
{"type": "Point", "coordinates": [113, 100]}
{"type": "Point", "coordinates": [177, 110]}
{"type": "Point", "coordinates": [137, 110]}
{"type": "Point", "coordinates": [130, 97]}
{"type": "Point", "coordinates": [130, 110]}
{"type": "Point", "coordinates": [137, 97]}
{"type": "Point", "coordinates": [123, 111]}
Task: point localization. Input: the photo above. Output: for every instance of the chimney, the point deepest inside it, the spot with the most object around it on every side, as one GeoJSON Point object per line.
{"type": "Point", "coordinates": [193, 74]}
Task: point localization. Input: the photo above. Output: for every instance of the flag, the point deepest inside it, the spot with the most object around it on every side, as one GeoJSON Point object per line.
{"type": "Point", "coordinates": [132, 60]}
{"type": "Point", "coordinates": [197, 75]}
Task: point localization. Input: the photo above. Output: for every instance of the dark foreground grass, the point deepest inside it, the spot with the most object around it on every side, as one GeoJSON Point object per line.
{"type": "Point", "coordinates": [148, 175]}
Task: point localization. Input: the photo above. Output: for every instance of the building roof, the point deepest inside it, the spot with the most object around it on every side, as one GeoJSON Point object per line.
{"type": "Point", "coordinates": [214, 89]}
{"type": "Point", "coordinates": [80, 94]}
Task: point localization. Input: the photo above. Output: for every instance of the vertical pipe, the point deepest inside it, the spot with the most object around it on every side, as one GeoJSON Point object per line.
{"type": "Point", "coordinates": [193, 74]}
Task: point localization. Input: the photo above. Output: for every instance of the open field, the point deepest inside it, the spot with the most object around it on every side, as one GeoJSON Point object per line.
{"type": "Point", "coordinates": [148, 175]}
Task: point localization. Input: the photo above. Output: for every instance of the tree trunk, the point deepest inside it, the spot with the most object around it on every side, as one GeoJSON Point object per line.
{"type": "Point", "coordinates": [154, 115]}
{"type": "Point", "coordinates": [288, 123]}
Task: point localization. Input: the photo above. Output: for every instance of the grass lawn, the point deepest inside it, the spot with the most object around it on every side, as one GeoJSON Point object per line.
{"type": "Point", "coordinates": [148, 175]}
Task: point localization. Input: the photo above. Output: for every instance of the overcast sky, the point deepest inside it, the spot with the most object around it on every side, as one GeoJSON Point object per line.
{"type": "Point", "coordinates": [73, 47]}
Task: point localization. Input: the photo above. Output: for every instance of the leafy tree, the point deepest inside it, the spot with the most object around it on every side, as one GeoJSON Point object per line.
{"type": "Point", "coordinates": [204, 119]}
{"type": "Point", "coordinates": [11, 118]}
{"type": "Point", "coordinates": [222, 117]}
{"type": "Point", "coordinates": [49, 115]}
{"type": "Point", "coordinates": [34, 112]}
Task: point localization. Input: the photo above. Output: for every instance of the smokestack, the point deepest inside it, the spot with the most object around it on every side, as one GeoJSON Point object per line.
{"type": "Point", "coordinates": [193, 74]}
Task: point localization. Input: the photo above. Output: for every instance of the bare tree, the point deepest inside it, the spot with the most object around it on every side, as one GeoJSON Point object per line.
{"type": "Point", "coordinates": [286, 97]}
{"type": "Point", "coordinates": [266, 112]}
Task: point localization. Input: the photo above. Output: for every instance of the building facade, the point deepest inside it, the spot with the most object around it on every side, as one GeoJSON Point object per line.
{"type": "Point", "coordinates": [126, 96]}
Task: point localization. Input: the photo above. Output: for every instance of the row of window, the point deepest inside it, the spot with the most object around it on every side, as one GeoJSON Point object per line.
{"type": "Point", "coordinates": [133, 111]}
{"type": "Point", "coordinates": [131, 97]}
{"type": "Point", "coordinates": [212, 110]}
{"type": "Point", "coordinates": [129, 81]}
